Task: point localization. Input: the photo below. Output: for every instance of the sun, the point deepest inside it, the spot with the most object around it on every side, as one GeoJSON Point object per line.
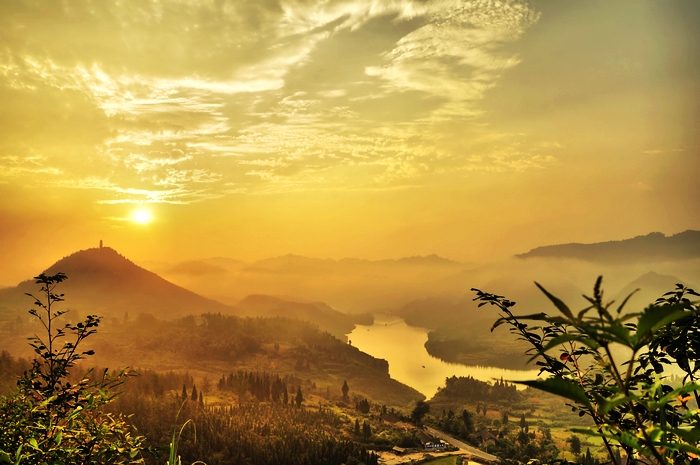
{"type": "Point", "coordinates": [141, 216]}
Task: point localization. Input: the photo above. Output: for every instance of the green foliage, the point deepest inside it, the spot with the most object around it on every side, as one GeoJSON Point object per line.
{"type": "Point", "coordinates": [363, 406]}
{"type": "Point", "coordinates": [421, 409]}
{"type": "Point", "coordinates": [48, 419]}
{"type": "Point", "coordinates": [467, 389]}
{"type": "Point", "coordinates": [261, 385]}
{"type": "Point", "coordinates": [575, 444]}
{"type": "Point", "coordinates": [263, 433]}
{"type": "Point", "coordinates": [525, 447]}
{"type": "Point", "coordinates": [614, 367]}
{"type": "Point", "coordinates": [366, 431]}
{"type": "Point", "coordinates": [10, 370]}
{"type": "Point", "coordinates": [460, 426]}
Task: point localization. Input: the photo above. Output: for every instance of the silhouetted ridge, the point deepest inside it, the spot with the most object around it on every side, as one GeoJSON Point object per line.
{"type": "Point", "coordinates": [652, 247]}
{"type": "Point", "coordinates": [650, 286]}
{"type": "Point", "coordinates": [102, 281]}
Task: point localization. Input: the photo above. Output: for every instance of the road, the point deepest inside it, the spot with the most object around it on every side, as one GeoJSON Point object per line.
{"type": "Point", "coordinates": [457, 443]}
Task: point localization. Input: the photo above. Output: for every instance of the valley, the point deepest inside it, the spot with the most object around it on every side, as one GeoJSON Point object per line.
{"type": "Point", "coordinates": [394, 358]}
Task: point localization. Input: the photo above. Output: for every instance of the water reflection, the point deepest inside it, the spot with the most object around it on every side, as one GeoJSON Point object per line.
{"type": "Point", "coordinates": [402, 346]}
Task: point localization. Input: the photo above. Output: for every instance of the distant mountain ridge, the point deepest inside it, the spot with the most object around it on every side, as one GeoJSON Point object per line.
{"type": "Point", "coordinates": [101, 281]}
{"type": "Point", "coordinates": [653, 247]}
{"type": "Point", "coordinates": [299, 264]}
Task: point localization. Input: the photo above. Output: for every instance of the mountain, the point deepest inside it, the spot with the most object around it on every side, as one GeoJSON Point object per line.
{"type": "Point", "coordinates": [653, 247]}
{"type": "Point", "coordinates": [196, 268]}
{"type": "Point", "coordinates": [651, 286]}
{"type": "Point", "coordinates": [350, 285]}
{"type": "Point", "coordinates": [437, 312]}
{"type": "Point", "coordinates": [101, 281]}
{"type": "Point", "coordinates": [337, 323]}
{"type": "Point", "coordinates": [305, 265]}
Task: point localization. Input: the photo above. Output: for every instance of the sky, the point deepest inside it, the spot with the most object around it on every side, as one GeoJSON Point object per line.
{"type": "Point", "coordinates": [176, 130]}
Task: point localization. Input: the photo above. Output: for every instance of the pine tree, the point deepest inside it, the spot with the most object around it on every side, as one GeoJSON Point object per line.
{"type": "Point", "coordinates": [300, 397]}
{"type": "Point", "coordinates": [194, 393]}
{"type": "Point", "coordinates": [366, 430]}
{"type": "Point", "coordinates": [468, 421]}
{"type": "Point", "coordinates": [201, 399]}
{"type": "Point", "coordinates": [345, 389]}
{"type": "Point", "coordinates": [357, 427]}
{"type": "Point", "coordinates": [184, 392]}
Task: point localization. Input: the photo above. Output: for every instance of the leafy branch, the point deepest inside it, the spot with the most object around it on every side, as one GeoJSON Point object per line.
{"type": "Point", "coordinates": [633, 404]}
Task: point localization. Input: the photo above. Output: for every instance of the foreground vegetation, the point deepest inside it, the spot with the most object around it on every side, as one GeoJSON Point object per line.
{"type": "Point", "coordinates": [53, 418]}
{"type": "Point", "coordinates": [608, 368]}
{"type": "Point", "coordinates": [615, 367]}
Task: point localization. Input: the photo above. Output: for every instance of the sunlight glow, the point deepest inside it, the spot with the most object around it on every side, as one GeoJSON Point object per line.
{"type": "Point", "coordinates": [141, 216]}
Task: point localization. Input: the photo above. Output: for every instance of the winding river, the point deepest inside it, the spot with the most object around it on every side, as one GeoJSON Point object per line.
{"type": "Point", "coordinates": [403, 347]}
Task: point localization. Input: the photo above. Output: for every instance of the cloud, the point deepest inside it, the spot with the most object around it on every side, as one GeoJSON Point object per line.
{"type": "Point", "coordinates": [455, 55]}
{"type": "Point", "coordinates": [315, 94]}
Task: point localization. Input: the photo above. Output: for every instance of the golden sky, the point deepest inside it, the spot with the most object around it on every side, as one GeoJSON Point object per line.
{"type": "Point", "coordinates": [343, 128]}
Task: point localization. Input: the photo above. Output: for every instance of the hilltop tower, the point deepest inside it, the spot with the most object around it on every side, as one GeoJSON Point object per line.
{"type": "Point", "coordinates": [100, 243]}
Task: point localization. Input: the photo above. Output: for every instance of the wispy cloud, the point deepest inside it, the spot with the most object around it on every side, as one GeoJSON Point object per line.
{"type": "Point", "coordinates": [198, 93]}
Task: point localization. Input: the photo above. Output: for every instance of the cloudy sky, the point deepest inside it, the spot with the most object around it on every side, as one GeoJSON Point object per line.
{"type": "Point", "coordinates": [178, 129]}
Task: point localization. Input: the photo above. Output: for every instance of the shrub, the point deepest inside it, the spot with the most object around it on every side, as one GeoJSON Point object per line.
{"type": "Point", "coordinates": [50, 420]}
{"type": "Point", "coordinates": [614, 366]}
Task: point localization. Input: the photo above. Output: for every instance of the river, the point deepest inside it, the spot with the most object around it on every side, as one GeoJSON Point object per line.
{"type": "Point", "coordinates": [403, 347]}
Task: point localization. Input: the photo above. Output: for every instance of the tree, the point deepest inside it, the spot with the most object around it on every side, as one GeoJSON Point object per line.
{"type": "Point", "coordinates": [468, 421]}
{"type": "Point", "coordinates": [504, 418]}
{"type": "Point", "coordinates": [629, 397]}
{"type": "Point", "coordinates": [366, 430]}
{"type": "Point", "coordinates": [363, 406]}
{"type": "Point", "coordinates": [299, 397]}
{"type": "Point", "coordinates": [184, 395]}
{"type": "Point", "coordinates": [194, 393]}
{"type": "Point", "coordinates": [420, 410]}
{"type": "Point", "coordinates": [357, 427]}
{"type": "Point", "coordinates": [523, 422]}
{"type": "Point", "coordinates": [345, 389]}
{"type": "Point", "coordinates": [574, 444]}
{"type": "Point", "coordinates": [50, 420]}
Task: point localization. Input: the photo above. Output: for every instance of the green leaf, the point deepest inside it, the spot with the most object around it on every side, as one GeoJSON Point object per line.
{"type": "Point", "coordinates": [655, 317]}
{"type": "Point", "coordinates": [615, 332]}
{"type": "Point", "coordinates": [5, 457]}
{"type": "Point", "coordinates": [624, 302]}
{"type": "Point", "coordinates": [685, 389]}
{"type": "Point", "coordinates": [560, 387]}
{"type": "Point", "coordinates": [559, 340]}
{"type": "Point", "coordinates": [33, 443]}
{"type": "Point", "coordinates": [557, 303]}
{"type": "Point", "coordinates": [689, 435]}
{"type": "Point", "coordinates": [554, 342]}
{"type": "Point", "coordinates": [606, 405]}
{"type": "Point", "coordinates": [687, 448]}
